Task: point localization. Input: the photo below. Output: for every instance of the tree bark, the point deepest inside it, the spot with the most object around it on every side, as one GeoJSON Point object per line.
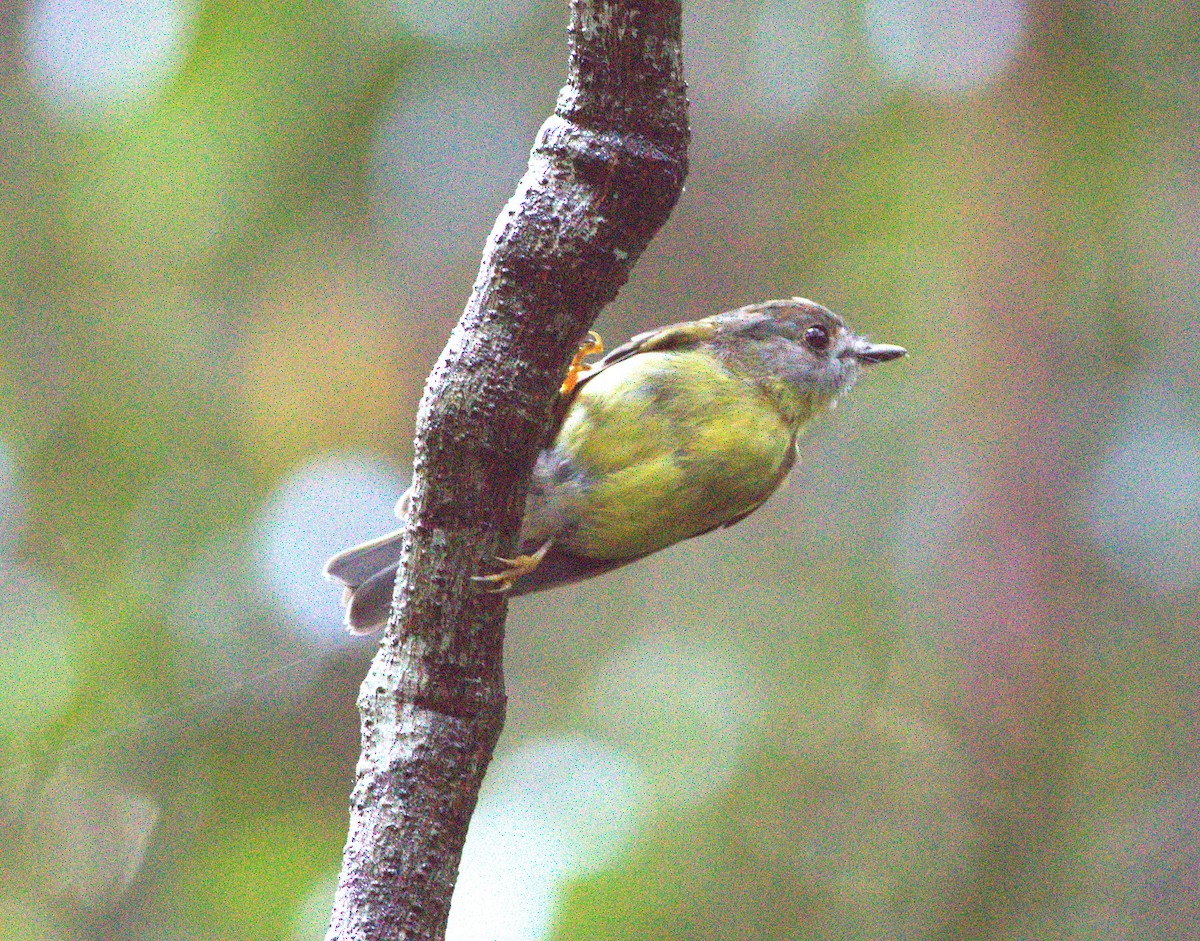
{"type": "Point", "coordinates": [603, 176]}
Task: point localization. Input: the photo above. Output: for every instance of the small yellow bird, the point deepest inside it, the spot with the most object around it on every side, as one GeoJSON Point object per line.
{"type": "Point", "coordinates": [680, 431]}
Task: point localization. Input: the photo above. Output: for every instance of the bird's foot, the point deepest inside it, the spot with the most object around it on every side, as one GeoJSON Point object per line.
{"type": "Point", "coordinates": [592, 346]}
{"type": "Point", "coordinates": [514, 569]}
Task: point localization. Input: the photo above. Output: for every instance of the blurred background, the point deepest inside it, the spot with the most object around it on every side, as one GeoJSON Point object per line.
{"type": "Point", "coordinates": [946, 684]}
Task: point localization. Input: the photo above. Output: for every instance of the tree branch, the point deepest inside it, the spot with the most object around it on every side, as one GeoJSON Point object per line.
{"type": "Point", "coordinates": [603, 176]}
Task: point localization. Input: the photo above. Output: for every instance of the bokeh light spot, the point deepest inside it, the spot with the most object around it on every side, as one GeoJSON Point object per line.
{"type": "Point", "coordinates": [946, 48]}
{"type": "Point", "coordinates": [463, 22]}
{"type": "Point", "coordinates": [555, 808]}
{"type": "Point", "coordinates": [1144, 506]}
{"type": "Point", "coordinates": [235, 642]}
{"type": "Point", "coordinates": [90, 58]}
{"type": "Point", "coordinates": [592, 795]}
{"type": "Point", "coordinates": [311, 918]}
{"type": "Point", "coordinates": [508, 880]}
{"type": "Point", "coordinates": [445, 163]}
{"type": "Point", "coordinates": [327, 505]}
{"type": "Point", "coordinates": [796, 48]}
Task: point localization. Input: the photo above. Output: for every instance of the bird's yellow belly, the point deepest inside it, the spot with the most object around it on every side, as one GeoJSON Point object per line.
{"type": "Point", "coordinates": [660, 448]}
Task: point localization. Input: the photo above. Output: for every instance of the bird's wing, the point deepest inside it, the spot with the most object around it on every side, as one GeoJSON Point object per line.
{"type": "Point", "coordinates": [784, 469]}
{"type": "Point", "coordinates": [674, 337]}
{"type": "Point", "coordinates": [679, 336]}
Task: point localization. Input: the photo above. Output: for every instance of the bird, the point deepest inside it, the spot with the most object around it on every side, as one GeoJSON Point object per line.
{"type": "Point", "coordinates": [681, 430]}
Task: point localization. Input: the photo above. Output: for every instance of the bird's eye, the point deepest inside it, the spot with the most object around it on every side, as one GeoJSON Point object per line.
{"type": "Point", "coordinates": [817, 338]}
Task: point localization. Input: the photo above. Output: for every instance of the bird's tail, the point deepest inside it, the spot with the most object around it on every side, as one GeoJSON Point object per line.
{"type": "Point", "coordinates": [368, 574]}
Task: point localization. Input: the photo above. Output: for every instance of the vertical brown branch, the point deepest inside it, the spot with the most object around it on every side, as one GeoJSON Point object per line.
{"type": "Point", "coordinates": [603, 176]}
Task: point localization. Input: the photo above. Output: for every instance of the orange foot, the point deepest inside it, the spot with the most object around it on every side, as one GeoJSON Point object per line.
{"type": "Point", "coordinates": [593, 345]}
{"type": "Point", "coordinates": [514, 569]}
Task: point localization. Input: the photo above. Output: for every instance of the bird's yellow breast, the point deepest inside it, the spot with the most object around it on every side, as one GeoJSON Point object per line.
{"type": "Point", "coordinates": [660, 447]}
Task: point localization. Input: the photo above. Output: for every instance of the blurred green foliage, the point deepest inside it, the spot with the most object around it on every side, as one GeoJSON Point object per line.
{"type": "Point", "coordinates": [942, 686]}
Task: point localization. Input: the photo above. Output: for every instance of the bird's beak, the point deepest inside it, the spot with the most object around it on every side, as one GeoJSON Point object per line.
{"type": "Point", "coordinates": [866, 352]}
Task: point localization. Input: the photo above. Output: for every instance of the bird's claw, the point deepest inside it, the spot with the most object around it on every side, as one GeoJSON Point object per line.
{"type": "Point", "coordinates": [592, 346]}
{"type": "Point", "coordinates": [514, 570]}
